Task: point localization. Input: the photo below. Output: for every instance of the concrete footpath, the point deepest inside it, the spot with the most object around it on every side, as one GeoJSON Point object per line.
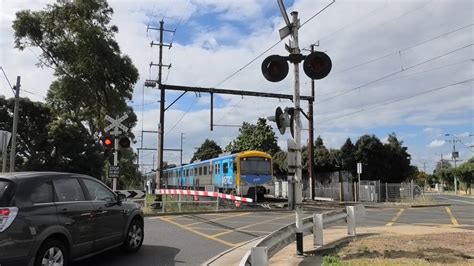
{"type": "Point", "coordinates": [332, 237]}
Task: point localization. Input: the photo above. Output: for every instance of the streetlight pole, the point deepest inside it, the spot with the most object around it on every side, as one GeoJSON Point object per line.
{"type": "Point", "coordinates": [454, 156]}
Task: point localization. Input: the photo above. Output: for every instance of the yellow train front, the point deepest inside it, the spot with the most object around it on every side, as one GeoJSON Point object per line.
{"type": "Point", "coordinates": [241, 174]}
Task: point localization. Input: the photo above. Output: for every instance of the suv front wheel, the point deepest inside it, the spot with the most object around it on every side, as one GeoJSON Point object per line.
{"type": "Point", "coordinates": [134, 238]}
{"type": "Point", "coordinates": [52, 252]}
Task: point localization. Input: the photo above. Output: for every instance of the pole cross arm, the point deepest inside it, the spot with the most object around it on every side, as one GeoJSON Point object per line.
{"type": "Point", "coordinates": [234, 92]}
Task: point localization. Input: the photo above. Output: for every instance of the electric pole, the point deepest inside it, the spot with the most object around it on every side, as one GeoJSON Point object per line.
{"type": "Point", "coordinates": [454, 156]}
{"type": "Point", "coordinates": [312, 181]}
{"type": "Point", "coordinates": [181, 152]}
{"type": "Point", "coordinates": [161, 126]}
{"type": "Point", "coordinates": [295, 50]}
{"type": "Point", "coordinates": [15, 125]}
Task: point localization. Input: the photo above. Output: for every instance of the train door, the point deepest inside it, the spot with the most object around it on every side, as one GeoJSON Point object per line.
{"type": "Point", "coordinates": [228, 174]}
{"type": "Point", "coordinates": [217, 174]}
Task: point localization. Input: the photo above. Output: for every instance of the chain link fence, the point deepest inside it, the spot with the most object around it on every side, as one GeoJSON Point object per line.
{"type": "Point", "coordinates": [340, 187]}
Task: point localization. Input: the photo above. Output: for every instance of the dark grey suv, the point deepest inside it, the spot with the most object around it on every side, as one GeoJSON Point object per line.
{"type": "Point", "coordinates": [49, 218]}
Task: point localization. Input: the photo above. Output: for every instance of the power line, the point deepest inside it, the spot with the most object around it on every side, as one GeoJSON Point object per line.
{"type": "Point", "coordinates": [401, 50]}
{"type": "Point", "coordinates": [408, 75]}
{"type": "Point", "coordinates": [181, 118]}
{"type": "Point", "coordinates": [32, 93]}
{"type": "Point", "coordinates": [9, 84]}
{"type": "Point", "coordinates": [271, 47]}
{"type": "Point", "coordinates": [397, 100]}
{"type": "Point", "coordinates": [394, 73]}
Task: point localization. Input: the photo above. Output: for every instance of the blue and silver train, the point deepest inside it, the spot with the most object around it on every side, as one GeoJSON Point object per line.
{"type": "Point", "coordinates": [240, 174]}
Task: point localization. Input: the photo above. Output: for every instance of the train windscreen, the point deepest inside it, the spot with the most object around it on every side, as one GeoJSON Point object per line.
{"type": "Point", "coordinates": [255, 166]}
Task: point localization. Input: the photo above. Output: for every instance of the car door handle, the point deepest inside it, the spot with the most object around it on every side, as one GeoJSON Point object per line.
{"type": "Point", "coordinates": [64, 211]}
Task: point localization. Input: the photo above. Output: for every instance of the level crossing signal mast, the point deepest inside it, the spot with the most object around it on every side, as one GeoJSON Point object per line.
{"type": "Point", "coordinates": [316, 65]}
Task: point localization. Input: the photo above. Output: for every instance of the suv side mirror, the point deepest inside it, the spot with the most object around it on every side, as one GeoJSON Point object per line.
{"type": "Point", "coordinates": [120, 197]}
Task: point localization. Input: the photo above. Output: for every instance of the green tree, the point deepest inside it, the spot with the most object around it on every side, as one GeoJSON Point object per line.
{"type": "Point", "coordinates": [74, 150]}
{"type": "Point", "coordinates": [94, 78]}
{"type": "Point", "coordinates": [280, 163]}
{"type": "Point", "coordinates": [397, 160]}
{"type": "Point", "coordinates": [33, 147]}
{"type": "Point", "coordinates": [208, 149]}
{"type": "Point", "coordinates": [78, 42]}
{"type": "Point", "coordinates": [465, 174]}
{"type": "Point", "coordinates": [370, 152]}
{"type": "Point", "coordinates": [322, 159]}
{"type": "Point", "coordinates": [348, 157]}
{"type": "Point", "coordinates": [258, 137]}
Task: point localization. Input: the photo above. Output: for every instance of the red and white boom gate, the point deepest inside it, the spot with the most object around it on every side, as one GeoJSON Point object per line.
{"type": "Point", "coordinates": [201, 193]}
{"type": "Point", "coordinates": [195, 193]}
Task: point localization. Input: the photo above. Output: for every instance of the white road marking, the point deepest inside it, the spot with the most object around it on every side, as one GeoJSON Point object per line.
{"type": "Point", "coordinates": [468, 202]}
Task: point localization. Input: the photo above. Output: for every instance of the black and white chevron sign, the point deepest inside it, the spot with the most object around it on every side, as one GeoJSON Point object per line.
{"type": "Point", "coordinates": [132, 194]}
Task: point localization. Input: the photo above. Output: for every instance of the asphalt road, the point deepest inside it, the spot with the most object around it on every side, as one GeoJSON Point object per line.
{"type": "Point", "coordinates": [193, 239]}
{"type": "Point", "coordinates": [459, 213]}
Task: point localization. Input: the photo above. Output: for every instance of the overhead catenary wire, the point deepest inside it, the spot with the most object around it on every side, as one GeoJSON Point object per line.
{"type": "Point", "coordinates": [394, 73]}
{"type": "Point", "coordinates": [402, 50]}
{"type": "Point", "coordinates": [8, 81]}
{"type": "Point", "coordinates": [409, 75]}
{"type": "Point", "coordinates": [357, 21]}
{"type": "Point", "coordinates": [390, 101]}
{"type": "Point", "coordinates": [269, 48]}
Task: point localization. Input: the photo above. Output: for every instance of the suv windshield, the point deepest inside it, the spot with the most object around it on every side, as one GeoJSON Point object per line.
{"type": "Point", "coordinates": [6, 193]}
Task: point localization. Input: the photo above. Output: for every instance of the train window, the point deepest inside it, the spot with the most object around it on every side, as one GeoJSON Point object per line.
{"type": "Point", "coordinates": [200, 170]}
{"type": "Point", "coordinates": [195, 171]}
{"type": "Point", "coordinates": [205, 170]}
{"type": "Point", "coordinates": [216, 169]}
{"type": "Point", "coordinates": [226, 167]}
{"type": "Point", "coordinates": [234, 167]}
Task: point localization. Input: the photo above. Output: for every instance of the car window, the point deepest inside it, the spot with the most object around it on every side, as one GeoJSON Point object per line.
{"type": "Point", "coordinates": [42, 193]}
{"type": "Point", "coordinates": [97, 191]}
{"type": "Point", "coordinates": [68, 189]}
{"type": "Point", "coordinates": [6, 193]}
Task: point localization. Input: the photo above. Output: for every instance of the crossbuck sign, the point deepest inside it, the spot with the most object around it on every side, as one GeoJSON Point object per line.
{"type": "Point", "coordinates": [116, 124]}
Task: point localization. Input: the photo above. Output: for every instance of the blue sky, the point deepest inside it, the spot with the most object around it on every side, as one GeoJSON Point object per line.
{"type": "Point", "coordinates": [396, 65]}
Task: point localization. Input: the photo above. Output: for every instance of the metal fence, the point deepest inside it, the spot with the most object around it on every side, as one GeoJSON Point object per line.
{"type": "Point", "coordinates": [339, 187]}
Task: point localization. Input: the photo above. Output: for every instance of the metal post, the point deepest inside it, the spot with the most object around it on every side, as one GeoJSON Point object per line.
{"type": "Point", "coordinates": [4, 138]}
{"type": "Point", "coordinates": [179, 202]}
{"type": "Point", "coordinates": [15, 125]}
{"type": "Point", "coordinates": [181, 150]}
{"type": "Point", "coordinates": [312, 181]}
{"type": "Point", "coordinates": [114, 180]}
{"type": "Point", "coordinates": [318, 229]}
{"type": "Point", "coordinates": [355, 191]}
{"type": "Point", "coordinates": [297, 135]}
{"type": "Point", "coordinates": [217, 202]}
{"type": "Point", "coordinates": [158, 148]}
{"type": "Point", "coordinates": [358, 185]}
{"type": "Point", "coordinates": [386, 191]}
{"type": "Point", "coordinates": [454, 158]}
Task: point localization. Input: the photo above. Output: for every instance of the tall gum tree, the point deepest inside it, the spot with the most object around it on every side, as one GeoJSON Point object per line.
{"type": "Point", "coordinates": [78, 42]}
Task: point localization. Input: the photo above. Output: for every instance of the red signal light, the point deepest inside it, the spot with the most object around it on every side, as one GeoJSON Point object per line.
{"type": "Point", "coordinates": [108, 142]}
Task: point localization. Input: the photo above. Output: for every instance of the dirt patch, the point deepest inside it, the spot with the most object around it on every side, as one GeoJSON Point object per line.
{"type": "Point", "coordinates": [446, 248]}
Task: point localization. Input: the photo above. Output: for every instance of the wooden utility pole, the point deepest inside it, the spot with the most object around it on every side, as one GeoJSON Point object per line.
{"type": "Point", "coordinates": [15, 125]}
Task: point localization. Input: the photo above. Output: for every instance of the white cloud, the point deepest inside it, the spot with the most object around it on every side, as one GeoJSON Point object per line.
{"type": "Point", "coordinates": [352, 32]}
{"type": "Point", "coordinates": [436, 143]}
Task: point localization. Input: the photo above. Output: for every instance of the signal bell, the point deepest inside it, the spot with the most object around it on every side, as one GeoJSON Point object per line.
{"type": "Point", "coordinates": [283, 119]}
{"type": "Point", "coordinates": [275, 68]}
{"type": "Point", "coordinates": [317, 65]}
